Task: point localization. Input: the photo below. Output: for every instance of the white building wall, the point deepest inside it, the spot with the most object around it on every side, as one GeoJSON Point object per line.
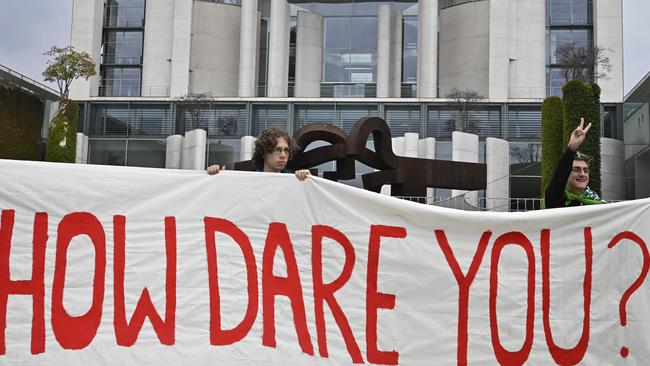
{"type": "Point", "coordinates": [181, 45]}
{"type": "Point", "coordinates": [637, 131]}
{"type": "Point", "coordinates": [214, 57]}
{"type": "Point", "coordinates": [157, 53]}
{"type": "Point", "coordinates": [309, 54]}
{"type": "Point", "coordinates": [427, 74]}
{"type": "Point", "coordinates": [497, 159]}
{"type": "Point", "coordinates": [612, 169]}
{"type": "Point", "coordinates": [526, 49]}
{"type": "Point", "coordinates": [278, 69]}
{"type": "Point", "coordinates": [465, 148]}
{"type": "Point", "coordinates": [86, 35]}
{"type": "Point", "coordinates": [464, 41]}
{"type": "Point", "coordinates": [608, 34]}
{"type": "Point", "coordinates": [248, 48]}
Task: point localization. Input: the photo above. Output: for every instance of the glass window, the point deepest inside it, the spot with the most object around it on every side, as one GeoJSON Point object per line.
{"type": "Point", "coordinates": [525, 169]}
{"type": "Point", "coordinates": [524, 122]}
{"type": "Point", "coordinates": [265, 116]}
{"type": "Point", "coordinates": [350, 51]}
{"type": "Point", "coordinates": [570, 12]}
{"type": "Point", "coordinates": [555, 79]}
{"type": "Point", "coordinates": [106, 152]}
{"type": "Point", "coordinates": [484, 121]}
{"type": "Point", "coordinates": [124, 13]}
{"type": "Point", "coordinates": [223, 152]}
{"type": "Point", "coordinates": [306, 114]}
{"type": "Point", "coordinates": [146, 153]}
{"type": "Point", "coordinates": [402, 119]}
{"type": "Point", "coordinates": [120, 82]}
{"type": "Point", "coordinates": [558, 38]}
{"type": "Point", "coordinates": [409, 50]}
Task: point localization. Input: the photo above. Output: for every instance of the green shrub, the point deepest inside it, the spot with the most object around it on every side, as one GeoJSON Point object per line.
{"type": "Point", "coordinates": [552, 135]}
{"type": "Point", "coordinates": [62, 134]}
{"type": "Point", "coordinates": [583, 100]}
{"type": "Point", "coordinates": [21, 119]}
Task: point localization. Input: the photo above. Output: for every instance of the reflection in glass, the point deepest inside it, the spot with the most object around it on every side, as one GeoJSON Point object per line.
{"type": "Point", "coordinates": [146, 153]}
{"type": "Point", "coordinates": [223, 152]}
{"type": "Point", "coordinates": [106, 152]}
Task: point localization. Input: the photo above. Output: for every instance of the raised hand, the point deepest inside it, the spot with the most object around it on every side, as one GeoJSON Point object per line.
{"type": "Point", "coordinates": [578, 135]}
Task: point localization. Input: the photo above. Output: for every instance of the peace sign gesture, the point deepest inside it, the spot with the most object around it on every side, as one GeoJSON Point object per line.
{"type": "Point", "coordinates": [578, 135]}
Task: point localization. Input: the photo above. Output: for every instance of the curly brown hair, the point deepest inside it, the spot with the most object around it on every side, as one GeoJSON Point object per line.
{"type": "Point", "coordinates": [266, 143]}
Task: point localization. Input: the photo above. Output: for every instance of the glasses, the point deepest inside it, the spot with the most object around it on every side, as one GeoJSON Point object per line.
{"type": "Point", "coordinates": [577, 170]}
{"type": "Point", "coordinates": [280, 150]}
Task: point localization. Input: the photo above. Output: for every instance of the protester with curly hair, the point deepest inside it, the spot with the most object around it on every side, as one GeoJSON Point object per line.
{"type": "Point", "coordinates": [273, 149]}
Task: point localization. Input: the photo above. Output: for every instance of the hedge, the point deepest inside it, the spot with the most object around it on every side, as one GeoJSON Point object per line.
{"type": "Point", "coordinates": [552, 136]}
{"type": "Point", "coordinates": [582, 99]}
{"type": "Point", "coordinates": [21, 120]}
{"type": "Point", "coordinates": [62, 135]}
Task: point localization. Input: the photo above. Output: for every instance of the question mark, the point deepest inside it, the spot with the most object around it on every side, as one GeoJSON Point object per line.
{"type": "Point", "coordinates": [637, 283]}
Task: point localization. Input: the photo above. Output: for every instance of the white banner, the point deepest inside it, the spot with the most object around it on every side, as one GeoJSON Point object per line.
{"type": "Point", "coordinates": [105, 265]}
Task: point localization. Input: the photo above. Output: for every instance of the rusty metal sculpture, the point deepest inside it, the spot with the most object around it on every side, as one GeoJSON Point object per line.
{"type": "Point", "coordinates": [407, 176]}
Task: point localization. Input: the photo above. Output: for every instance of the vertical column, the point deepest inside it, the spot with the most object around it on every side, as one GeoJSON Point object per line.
{"type": "Point", "coordinates": [181, 48]}
{"type": "Point", "coordinates": [278, 79]}
{"type": "Point", "coordinates": [86, 35]}
{"type": "Point", "coordinates": [174, 152]}
{"type": "Point", "coordinates": [427, 150]}
{"type": "Point", "coordinates": [395, 88]}
{"type": "Point", "coordinates": [608, 34]}
{"type": "Point", "coordinates": [427, 48]}
{"type": "Point", "coordinates": [497, 159]}
{"type": "Point", "coordinates": [383, 50]}
{"type": "Point", "coordinates": [612, 169]}
{"type": "Point", "coordinates": [465, 148]}
{"type": "Point", "coordinates": [193, 150]}
{"type": "Point", "coordinates": [309, 55]}
{"type": "Point", "coordinates": [248, 48]}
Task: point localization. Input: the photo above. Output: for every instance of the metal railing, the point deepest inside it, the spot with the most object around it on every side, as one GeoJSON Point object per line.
{"type": "Point", "coordinates": [483, 204]}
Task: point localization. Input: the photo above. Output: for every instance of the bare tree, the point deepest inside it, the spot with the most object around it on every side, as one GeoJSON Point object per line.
{"type": "Point", "coordinates": [196, 105]}
{"type": "Point", "coordinates": [582, 63]}
{"type": "Point", "coordinates": [464, 102]}
{"type": "Point", "coordinates": [526, 154]}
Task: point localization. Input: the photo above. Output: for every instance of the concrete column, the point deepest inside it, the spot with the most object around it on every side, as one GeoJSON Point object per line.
{"type": "Point", "coordinates": [193, 155]}
{"type": "Point", "coordinates": [612, 168]}
{"type": "Point", "coordinates": [395, 88]}
{"type": "Point", "coordinates": [383, 50]}
{"type": "Point", "coordinates": [608, 34]}
{"type": "Point", "coordinates": [278, 79]}
{"type": "Point", "coordinates": [86, 35]}
{"type": "Point", "coordinates": [411, 144]}
{"type": "Point", "coordinates": [499, 63]}
{"type": "Point", "coordinates": [247, 148]}
{"type": "Point", "coordinates": [465, 148]}
{"type": "Point", "coordinates": [309, 55]}
{"type": "Point", "coordinates": [248, 49]}
{"type": "Point", "coordinates": [427, 48]}
{"type": "Point", "coordinates": [181, 47]}
{"type": "Point", "coordinates": [174, 152]}
{"type": "Point", "coordinates": [157, 57]}
{"type": "Point", "coordinates": [427, 150]}
{"type": "Point", "coordinates": [497, 158]}
{"type": "Point", "coordinates": [81, 153]}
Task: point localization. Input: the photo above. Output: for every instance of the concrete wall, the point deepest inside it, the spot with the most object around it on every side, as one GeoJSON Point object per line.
{"type": "Point", "coordinates": [181, 41]}
{"type": "Point", "coordinates": [215, 49]}
{"type": "Point", "coordinates": [86, 35]}
{"type": "Point", "coordinates": [194, 150]}
{"type": "Point", "coordinates": [527, 49]}
{"type": "Point", "coordinates": [278, 66]}
{"type": "Point", "coordinates": [497, 158]}
{"type": "Point", "coordinates": [517, 49]}
{"type": "Point", "coordinates": [309, 54]}
{"type": "Point", "coordinates": [465, 148]}
{"type": "Point", "coordinates": [464, 48]}
{"type": "Point", "coordinates": [637, 131]}
{"type": "Point", "coordinates": [174, 152]}
{"type": "Point", "coordinates": [612, 169]}
{"type": "Point", "coordinates": [608, 27]}
{"type": "Point", "coordinates": [427, 78]}
{"type": "Point", "coordinates": [158, 49]}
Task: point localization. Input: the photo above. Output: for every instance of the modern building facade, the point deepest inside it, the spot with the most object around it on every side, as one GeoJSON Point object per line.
{"type": "Point", "coordinates": [290, 63]}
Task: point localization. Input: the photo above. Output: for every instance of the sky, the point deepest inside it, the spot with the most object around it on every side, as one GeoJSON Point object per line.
{"type": "Point", "coordinates": [28, 28]}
